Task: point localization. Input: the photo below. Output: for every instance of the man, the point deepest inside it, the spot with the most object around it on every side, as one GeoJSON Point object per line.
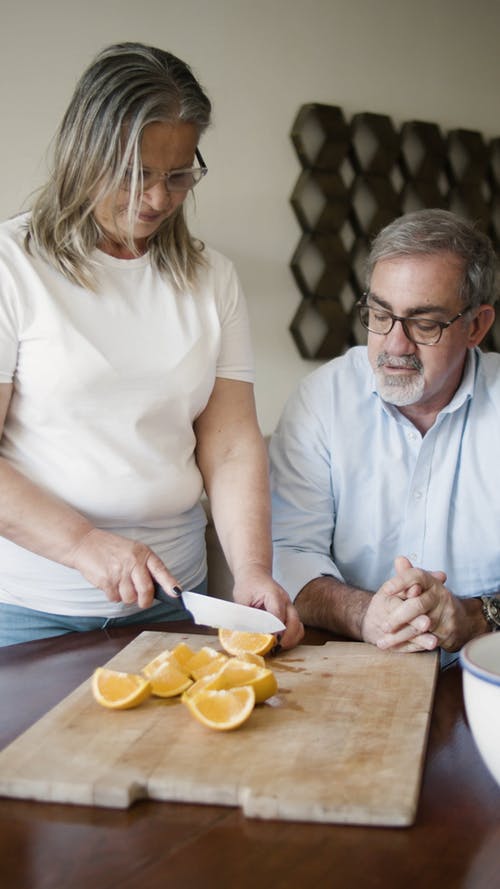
{"type": "Point", "coordinates": [386, 461]}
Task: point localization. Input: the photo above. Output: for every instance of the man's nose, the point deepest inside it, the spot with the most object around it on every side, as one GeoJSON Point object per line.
{"type": "Point", "coordinates": [397, 341]}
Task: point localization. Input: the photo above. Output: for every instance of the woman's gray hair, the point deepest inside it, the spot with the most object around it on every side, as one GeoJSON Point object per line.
{"type": "Point", "coordinates": [438, 231]}
{"type": "Point", "coordinates": [127, 87]}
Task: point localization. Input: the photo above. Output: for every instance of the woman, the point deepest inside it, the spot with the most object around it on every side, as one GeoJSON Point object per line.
{"type": "Point", "coordinates": [125, 373]}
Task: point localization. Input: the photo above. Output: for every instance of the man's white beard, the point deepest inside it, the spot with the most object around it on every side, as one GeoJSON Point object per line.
{"type": "Point", "coordinates": [399, 389]}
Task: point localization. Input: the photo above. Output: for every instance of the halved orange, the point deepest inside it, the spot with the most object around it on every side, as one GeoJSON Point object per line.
{"type": "Point", "coordinates": [222, 710]}
{"type": "Point", "coordinates": [119, 691]}
{"type": "Point", "coordinates": [234, 642]}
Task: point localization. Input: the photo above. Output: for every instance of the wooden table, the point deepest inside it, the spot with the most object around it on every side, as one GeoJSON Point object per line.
{"type": "Point", "coordinates": [455, 841]}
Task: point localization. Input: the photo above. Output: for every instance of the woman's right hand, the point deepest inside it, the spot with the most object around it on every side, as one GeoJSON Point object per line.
{"type": "Point", "coordinates": [123, 569]}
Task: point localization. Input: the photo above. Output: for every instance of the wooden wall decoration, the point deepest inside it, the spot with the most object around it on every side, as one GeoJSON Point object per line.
{"type": "Point", "coordinates": [358, 176]}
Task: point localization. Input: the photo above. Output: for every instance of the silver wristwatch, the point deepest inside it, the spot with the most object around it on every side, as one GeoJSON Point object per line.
{"type": "Point", "coordinates": [491, 611]}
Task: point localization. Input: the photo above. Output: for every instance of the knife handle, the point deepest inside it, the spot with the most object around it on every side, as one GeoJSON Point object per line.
{"type": "Point", "coordinates": [162, 596]}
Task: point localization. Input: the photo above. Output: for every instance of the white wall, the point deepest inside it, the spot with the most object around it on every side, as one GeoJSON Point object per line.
{"type": "Point", "coordinates": [433, 60]}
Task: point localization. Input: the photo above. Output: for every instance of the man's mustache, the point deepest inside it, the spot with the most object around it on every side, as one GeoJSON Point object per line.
{"type": "Point", "coordinates": [412, 361]}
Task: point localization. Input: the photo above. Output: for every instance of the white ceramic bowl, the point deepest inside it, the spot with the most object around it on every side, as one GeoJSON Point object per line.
{"type": "Point", "coordinates": [480, 660]}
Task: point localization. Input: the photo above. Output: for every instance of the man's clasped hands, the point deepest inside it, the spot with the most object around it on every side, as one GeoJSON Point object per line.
{"type": "Point", "coordinates": [414, 611]}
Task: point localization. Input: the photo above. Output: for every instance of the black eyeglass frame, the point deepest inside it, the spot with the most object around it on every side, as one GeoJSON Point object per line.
{"type": "Point", "coordinates": [201, 162]}
{"type": "Point", "coordinates": [442, 325]}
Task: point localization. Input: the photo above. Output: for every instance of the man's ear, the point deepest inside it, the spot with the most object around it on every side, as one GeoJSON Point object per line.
{"type": "Point", "coordinates": [480, 324]}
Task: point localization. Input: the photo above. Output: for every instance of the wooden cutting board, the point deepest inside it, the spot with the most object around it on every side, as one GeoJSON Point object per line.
{"type": "Point", "coordinates": [342, 741]}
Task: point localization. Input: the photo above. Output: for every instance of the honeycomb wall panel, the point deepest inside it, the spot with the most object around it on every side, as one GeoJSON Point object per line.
{"type": "Point", "coordinates": [357, 176]}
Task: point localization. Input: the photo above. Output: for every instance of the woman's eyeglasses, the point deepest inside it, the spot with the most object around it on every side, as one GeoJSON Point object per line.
{"type": "Point", "coordinates": [175, 180]}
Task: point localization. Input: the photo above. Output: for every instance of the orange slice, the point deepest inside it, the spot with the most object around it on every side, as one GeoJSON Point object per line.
{"type": "Point", "coordinates": [222, 710]}
{"type": "Point", "coordinates": [235, 642]}
{"type": "Point", "coordinates": [199, 685]}
{"type": "Point", "coordinates": [119, 691]}
{"type": "Point", "coordinates": [169, 680]}
{"type": "Point", "coordinates": [212, 667]}
{"type": "Point", "coordinates": [252, 658]}
{"type": "Point", "coordinates": [237, 672]}
{"type": "Point", "coordinates": [205, 660]}
{"type": "Point", "coordinates": [157, 662]}
{"type": "Point", "coordinates": [183, 654]}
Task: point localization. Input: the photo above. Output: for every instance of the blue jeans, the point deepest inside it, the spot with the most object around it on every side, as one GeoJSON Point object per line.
{"type": "Point", "coordinates": [19, 624]}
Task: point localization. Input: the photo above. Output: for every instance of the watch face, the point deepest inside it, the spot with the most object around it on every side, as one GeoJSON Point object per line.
{"type": "Point", "coordinates": [493, 612]}
{"type": "Point", "coordinates": [495, 608]}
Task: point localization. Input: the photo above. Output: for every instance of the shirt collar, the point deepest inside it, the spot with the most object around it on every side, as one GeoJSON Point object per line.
{"type": "Point", "coordinates": [466, 389]}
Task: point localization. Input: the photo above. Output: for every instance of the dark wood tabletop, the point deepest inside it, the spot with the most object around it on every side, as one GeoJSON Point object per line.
{"type": "Point", "coordinates": [455, 841]}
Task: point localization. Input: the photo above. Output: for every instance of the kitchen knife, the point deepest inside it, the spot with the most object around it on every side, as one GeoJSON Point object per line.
{"type": "Point", "coordinates": [212, 612]}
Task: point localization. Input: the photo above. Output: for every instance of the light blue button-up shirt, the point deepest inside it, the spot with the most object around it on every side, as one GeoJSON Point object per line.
{"type": "Point", "coordinates": [355, 484]}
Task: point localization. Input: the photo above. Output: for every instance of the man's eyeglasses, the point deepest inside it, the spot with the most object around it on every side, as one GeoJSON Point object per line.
{"type": "Point", "coordinates": [419, 330]}
{"type": "Point", "coordinates": [176, 180]}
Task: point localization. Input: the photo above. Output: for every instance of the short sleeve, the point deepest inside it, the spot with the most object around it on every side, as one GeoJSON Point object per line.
{"type": "Point", "coordinates": [9, 325]}
{"type": "Point", "coordinates": [236, 359]}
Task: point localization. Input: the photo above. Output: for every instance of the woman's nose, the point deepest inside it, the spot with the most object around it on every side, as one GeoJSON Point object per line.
{"type": "Point", "coordinates": [158, 195]}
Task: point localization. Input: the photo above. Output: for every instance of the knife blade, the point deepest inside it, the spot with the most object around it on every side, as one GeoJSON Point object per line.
{"type": "Point", "coordinates": [212, 612]}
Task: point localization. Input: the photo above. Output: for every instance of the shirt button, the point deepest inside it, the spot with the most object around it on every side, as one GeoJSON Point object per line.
{"type": "Point", "coordinates": [413, 557]}
{"type": "Point", "coordinates": [417, 495]}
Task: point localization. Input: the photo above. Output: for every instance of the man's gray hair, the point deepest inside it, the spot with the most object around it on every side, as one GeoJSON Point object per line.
{"type": "Point", "coordinates": [427, 232]}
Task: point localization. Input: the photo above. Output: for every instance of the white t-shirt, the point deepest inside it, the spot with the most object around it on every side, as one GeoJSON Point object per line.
{"type": "Point", "coordinates": [107, 385]}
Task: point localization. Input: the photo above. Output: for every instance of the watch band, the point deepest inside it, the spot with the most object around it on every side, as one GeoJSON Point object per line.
{"type": "Point", "coordinates": [491, 611]}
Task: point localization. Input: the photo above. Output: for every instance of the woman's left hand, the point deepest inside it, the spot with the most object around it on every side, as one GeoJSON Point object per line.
{"type": "Point", "coordinates": [256, 587]}
{"type": "Point", "coordinates": [232, 459]}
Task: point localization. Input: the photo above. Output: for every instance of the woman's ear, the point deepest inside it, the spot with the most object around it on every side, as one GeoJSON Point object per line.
{"type": "Point", "coordinates": [480, 324]}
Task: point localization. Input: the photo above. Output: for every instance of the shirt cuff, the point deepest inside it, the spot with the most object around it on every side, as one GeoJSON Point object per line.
{"type": "Point", "coordinates": [294, 569]}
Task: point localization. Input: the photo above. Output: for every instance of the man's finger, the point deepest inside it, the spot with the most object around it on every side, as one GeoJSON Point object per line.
{"type": "Point", "coordinates": [405, 637]}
